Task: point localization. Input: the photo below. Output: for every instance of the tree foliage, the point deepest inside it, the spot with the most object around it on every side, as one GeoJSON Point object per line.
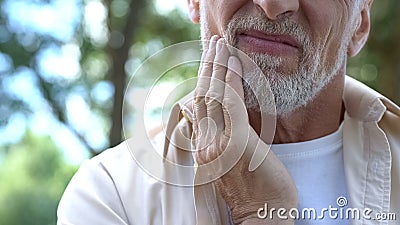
{"type": "Point", "coordinates": [105, 65]}
{"type": "Point", "coordinates": [378, 64]}
{"type": "Point", "coordinates": [33, 176]}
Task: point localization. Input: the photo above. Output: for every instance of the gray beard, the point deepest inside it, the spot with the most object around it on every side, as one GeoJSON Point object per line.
{"type": "Point", "coordinates": [268, 90]}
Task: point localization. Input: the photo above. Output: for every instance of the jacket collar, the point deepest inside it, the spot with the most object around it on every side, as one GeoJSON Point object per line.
{"type": "Point", "coordinates": [365, 104]}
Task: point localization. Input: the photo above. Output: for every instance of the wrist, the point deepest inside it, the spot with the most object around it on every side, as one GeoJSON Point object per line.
{"type": "Point", "coordinates": [257, 221]}
{"type": "Point", "coordinates": [264, 213]}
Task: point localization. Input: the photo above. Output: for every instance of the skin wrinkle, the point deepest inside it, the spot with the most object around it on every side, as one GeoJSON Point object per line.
{"type": "Point", "coordinates": [330, 33]}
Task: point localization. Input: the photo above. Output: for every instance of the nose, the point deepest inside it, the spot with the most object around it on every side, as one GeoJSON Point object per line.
{"type": "Point", "coordinates": [274, 8]}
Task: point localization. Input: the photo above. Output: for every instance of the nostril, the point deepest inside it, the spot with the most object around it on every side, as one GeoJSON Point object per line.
{"type": "Point", "coordinates": [287, 13]}
{"type": "Point", "coordinates": [275, 8]}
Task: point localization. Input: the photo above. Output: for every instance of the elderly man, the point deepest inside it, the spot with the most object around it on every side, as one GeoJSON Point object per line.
{"type": "Point", "coordinates": [334, 140]}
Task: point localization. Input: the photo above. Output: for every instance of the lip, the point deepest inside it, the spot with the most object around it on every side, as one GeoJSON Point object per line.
{"type": "Point", "coordinates": [273, 44]}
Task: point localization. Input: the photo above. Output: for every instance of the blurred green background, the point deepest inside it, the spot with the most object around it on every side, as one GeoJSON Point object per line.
{"type": "Point", "coordinates": [64, 65]}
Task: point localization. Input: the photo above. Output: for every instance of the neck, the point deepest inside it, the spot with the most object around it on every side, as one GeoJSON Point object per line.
{"type": "Point", "coordinates": [320, 117]}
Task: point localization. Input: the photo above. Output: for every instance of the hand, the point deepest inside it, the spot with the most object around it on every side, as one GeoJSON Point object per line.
{"type": "Point", "coordinates": [221, 132]}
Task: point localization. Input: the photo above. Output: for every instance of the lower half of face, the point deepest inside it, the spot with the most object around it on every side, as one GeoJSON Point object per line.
{"type": "Point", "coordinates": [295, 75]}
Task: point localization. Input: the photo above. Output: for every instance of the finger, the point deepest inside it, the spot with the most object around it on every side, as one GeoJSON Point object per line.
{"type": "Point", "coordinates": [205, 43]}
{"type": "Point", "coordinates": [215, 92]}
{"type": "Point", "coordinates": [203, 56]}
{"type": "Point", "coordinates": [235, 113]}
{"type": "Point", "coordinates": [260, 153]}
{"type": "Point", "coordinates": [205, 72]}
{"type": "Point", "coordinates": [205, 69]}
{"type": "Point", "coordinates": [194, 122]}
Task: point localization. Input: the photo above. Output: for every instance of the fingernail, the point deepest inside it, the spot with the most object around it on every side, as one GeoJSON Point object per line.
{"type": "Point", "coordinates": [212, 41]}
{"type": "Point", "coordinates": [214, 38]}
{"type": "Point", "coordinates": [219, 44]}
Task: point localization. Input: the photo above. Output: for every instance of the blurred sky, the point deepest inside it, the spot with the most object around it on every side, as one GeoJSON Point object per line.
{"type": "Point", "coordinates": [59, 20]}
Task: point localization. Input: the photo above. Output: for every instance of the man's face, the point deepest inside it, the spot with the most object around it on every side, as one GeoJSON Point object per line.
{"type": "Point", "coordinates": [299, 51]}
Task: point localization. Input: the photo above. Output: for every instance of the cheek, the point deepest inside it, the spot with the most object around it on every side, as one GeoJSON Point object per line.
{"type": "Point", "coordinates": [324, 18]}
{"type": "Point", "coordinates": [219, 12]}
{"type": "Point", "coordinates": [327, 22]}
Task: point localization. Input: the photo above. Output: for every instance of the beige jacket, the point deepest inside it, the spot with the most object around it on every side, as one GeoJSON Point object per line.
{"type": "Point", "coordinates": [112, 188]}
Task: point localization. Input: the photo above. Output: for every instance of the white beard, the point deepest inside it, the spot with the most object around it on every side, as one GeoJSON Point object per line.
{"type": "Point", "coordinates": [290, 90]}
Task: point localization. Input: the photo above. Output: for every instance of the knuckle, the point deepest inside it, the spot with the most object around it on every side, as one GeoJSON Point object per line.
{"type": "Point", "coordinates": [213, 98]}
{"type": "Point", "coordinates": [207, 66]}
{"type": "Point", "coordinates": [198, 102]}
{"type": "Point", "coordinates": [219, 69]}
{"type": "Point", "coordinates": [214, 95]}
{"type": "Point", "coordinates": [212, 106]}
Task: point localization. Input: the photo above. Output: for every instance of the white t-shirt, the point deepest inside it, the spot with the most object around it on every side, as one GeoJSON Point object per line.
{"type": "Point", "coordinates": [317, 169]}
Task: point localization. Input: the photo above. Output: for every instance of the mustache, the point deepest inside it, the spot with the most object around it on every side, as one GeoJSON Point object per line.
{"type": "Point", "coordinates": [282, 26]}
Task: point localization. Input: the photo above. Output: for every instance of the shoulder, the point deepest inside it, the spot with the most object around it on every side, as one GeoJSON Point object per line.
{"type": "Point", "coordinates": [390, 124]}
{"type": "Point", "coordinates": [365, 104]}
{"type": "Point", "coordinates": [115, 188]}
{"type": "Point", "coordinates": [95, 193]}
{"type": "Point", "coordinates": [368, 106]}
